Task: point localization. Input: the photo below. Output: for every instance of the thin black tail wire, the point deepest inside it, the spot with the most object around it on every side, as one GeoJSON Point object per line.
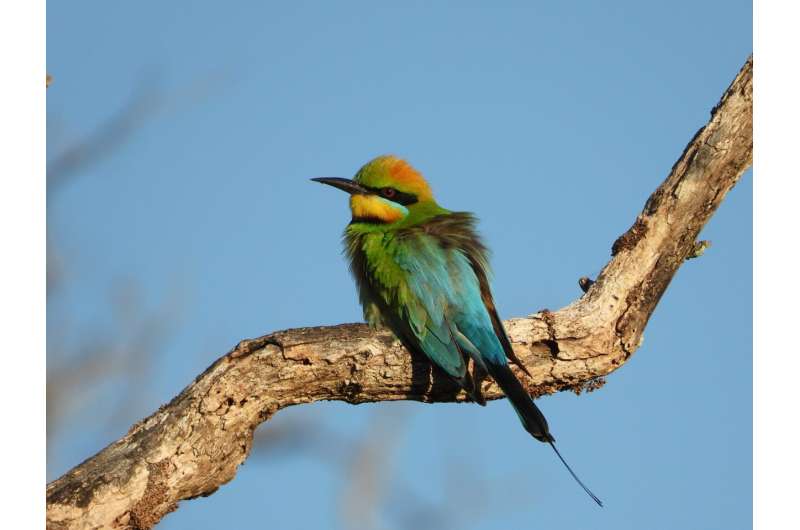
{"type": "Point", "coordinates": [571, 472]}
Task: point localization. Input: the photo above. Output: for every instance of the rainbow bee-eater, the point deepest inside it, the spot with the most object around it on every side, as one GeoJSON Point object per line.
{"type": "Point", "coordinates": [423, 272]}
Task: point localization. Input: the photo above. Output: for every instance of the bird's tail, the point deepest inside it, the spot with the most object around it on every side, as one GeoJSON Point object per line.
{"type": "Point", "coordinates": [529, 414]}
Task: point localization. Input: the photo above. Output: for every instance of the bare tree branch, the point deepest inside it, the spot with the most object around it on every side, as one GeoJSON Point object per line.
{"type": "Point", "coordinates": [194, 444]}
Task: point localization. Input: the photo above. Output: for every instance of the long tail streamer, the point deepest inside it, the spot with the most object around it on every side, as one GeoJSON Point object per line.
{"type": "Point", "coordinates": [571, 472]}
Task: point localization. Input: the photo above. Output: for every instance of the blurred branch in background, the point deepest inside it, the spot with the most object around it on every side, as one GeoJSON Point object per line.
{"type": "Point", "coordinates": [369, 472]}
{"type": "Point", "coordinates": [122, 355]}
{"type": "Point", "coordinates": [147, 101]}
{"type": "Point", "coordinates": [106, 138]}
{"type": "Point", "coordinates": [372, 496]}
{"type": "Point", "coordinates": [85, 361]}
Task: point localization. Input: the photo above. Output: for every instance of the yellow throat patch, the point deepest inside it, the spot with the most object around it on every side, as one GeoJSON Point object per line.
{"type": "Point", "coordinates": [373, 207]}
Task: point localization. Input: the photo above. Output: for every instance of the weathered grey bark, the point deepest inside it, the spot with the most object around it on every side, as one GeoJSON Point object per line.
{"type": "Point", "coordinates": [194, 444]}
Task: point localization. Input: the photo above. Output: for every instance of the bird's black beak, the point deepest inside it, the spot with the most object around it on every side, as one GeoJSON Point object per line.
{"type": "Point", "coordinates": [350, 186]}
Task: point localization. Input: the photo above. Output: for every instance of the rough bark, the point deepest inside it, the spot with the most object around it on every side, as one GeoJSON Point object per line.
{"type": "Point", "coordinates": [194, 444]}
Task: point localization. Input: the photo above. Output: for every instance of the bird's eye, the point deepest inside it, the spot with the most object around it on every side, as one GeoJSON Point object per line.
{"type": "Point", "coordinates": [388, 192]}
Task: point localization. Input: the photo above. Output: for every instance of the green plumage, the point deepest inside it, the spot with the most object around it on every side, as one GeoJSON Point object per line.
{"type": "Point", "coordinates": [409, 278]}
{"type": "Point", "coordinates": [422, 271]}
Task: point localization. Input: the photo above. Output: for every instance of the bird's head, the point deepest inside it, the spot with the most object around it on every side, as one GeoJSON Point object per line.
{"type": "Point", "coordinates": [386, 190]}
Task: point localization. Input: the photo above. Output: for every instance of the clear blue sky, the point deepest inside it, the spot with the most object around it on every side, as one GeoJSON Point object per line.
{"type": "Point", "coordinates": [553, 121]}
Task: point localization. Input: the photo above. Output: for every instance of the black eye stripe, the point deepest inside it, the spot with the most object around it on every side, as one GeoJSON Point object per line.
{"type": "Point", "coordinates": [395, 195]}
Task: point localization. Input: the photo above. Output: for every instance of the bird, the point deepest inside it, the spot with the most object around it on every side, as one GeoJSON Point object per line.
{"type": "Point", "coordinates": [423, 271]}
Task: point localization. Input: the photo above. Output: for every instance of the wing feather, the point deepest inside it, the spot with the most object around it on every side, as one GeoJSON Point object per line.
{"type": "Point", "coordinates": [430, 286]}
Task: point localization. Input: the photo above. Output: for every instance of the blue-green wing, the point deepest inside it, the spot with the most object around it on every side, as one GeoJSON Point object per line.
{"type": "Point", "coordinates": [401, 276]}
{"type": "Point", "coordinates": [446, 315]}
{"type": "Point", "coordinates": [452, 289]}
